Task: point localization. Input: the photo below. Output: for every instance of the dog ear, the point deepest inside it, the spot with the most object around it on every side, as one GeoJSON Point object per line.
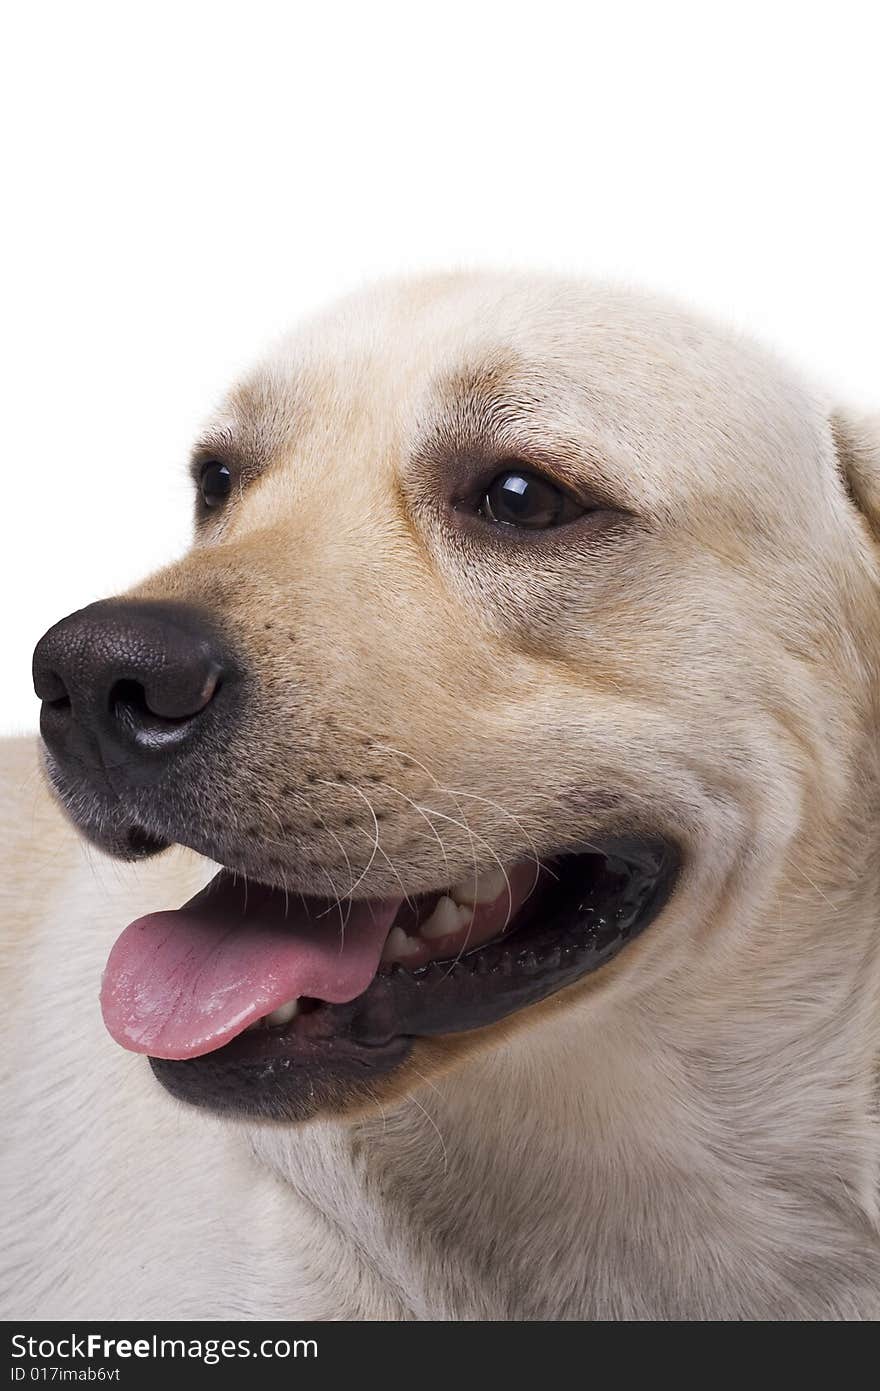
{"type": "Point", "coordinates": [857, 441]}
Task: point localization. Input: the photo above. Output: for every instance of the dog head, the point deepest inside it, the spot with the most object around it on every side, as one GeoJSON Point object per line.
{"type": "Point", "coordinates": [526, 627]}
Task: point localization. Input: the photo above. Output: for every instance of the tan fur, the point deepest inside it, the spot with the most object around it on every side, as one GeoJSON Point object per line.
{"type": "Point", "coordinates": [690, 1133]}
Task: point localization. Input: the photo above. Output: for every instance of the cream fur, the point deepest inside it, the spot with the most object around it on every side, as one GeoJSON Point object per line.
{"type": "Point", "coordinates": [691, 1134]}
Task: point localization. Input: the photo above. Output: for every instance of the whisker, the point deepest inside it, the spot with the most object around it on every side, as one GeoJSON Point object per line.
{"type": "Point", "coordinates": [431, 827]}
{"type": "Point", "coordinates": [369, 865]}
{"type": "Point", "coordinates": [521, 828]}
{"type": "Point", "coordinates": [331, 832]}
{"type": "Point", "coordinates": [431, 1121]}
{"type": "Point", "coordinates": [464, 824]}
{"type": "Point", "coordinates": [393, 868]}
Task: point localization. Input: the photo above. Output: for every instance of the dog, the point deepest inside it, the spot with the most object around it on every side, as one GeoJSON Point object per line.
{"type": "Point", "coordinates": [510, 737]}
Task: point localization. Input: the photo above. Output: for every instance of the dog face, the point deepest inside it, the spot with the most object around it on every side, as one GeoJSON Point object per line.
{"type": "Point", "coordinates": [521, 617]}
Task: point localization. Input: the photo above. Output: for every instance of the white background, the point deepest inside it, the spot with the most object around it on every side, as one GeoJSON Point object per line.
{"type": "Point", "coordinates": [182, 180]}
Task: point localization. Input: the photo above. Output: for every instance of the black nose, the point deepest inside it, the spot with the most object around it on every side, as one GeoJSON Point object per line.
{"type": "Point", "coordinates": [123, 677]}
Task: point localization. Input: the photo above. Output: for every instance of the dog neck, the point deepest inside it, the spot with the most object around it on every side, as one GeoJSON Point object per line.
{"type": "Point", "coordinates": [709, 1153]}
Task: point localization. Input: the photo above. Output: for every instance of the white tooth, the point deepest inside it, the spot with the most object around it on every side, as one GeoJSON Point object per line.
{"type": "Point", "coordinates": [283, 1014]}
{"type": "Point", "coordinates": [447, 917]}
{"type": "Point", "coordinates": [398, 944]}
{"type": "Point", "coordinates": [485, 890]}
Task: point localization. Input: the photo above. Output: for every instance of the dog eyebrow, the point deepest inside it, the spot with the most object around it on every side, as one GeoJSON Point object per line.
{"type": "Point", "coordinates": [217, 444]}
{"type": "Point", "coordinates": [494, 410]}
{"type": "Point", "coordinates": [254, 425]}
{"type": "Point", "coordinates": [224, 444]}
{"type": "Point", "coordinates": [486, 398]}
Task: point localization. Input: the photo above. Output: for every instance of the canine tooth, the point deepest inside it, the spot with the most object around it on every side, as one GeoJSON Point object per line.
{"type": "Point", "coordinates": [398, 944]}
{"type": "Point", "coordinates": [485, 890]}
{"type": "Point", "coordinates": [283, 1014]}
{"type": "Point", "coordinates": [447, 917]}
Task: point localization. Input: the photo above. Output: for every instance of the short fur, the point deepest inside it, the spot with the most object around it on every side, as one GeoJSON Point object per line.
{"type": "Point", "coordinates": [691, 1133]}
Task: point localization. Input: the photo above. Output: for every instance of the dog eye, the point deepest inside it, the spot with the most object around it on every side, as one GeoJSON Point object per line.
{"type": "Point", "coordinates": [520, 498]}
{"type": "Point", "coordinates": [215, 481]}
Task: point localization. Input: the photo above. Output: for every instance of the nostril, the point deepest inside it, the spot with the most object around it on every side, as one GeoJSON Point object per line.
{"type": "Point", "coordinates": [49, 684]}
{"type": "Point", "coordinates": [130, 705]}
{"type": "Point", "coordinates": [161, 716]}
{"type": "Point", "coordinates": [127, 700]}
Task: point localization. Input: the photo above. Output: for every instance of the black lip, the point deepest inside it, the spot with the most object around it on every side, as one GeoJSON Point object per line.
{"type": "Point", "coordinates": [334, 1055]}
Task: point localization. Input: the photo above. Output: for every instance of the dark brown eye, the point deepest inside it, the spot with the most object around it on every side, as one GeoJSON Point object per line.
{"type": "Point", "coordinates": [520, 498]}
{"type": "Point", "coordinates": [215, 481]}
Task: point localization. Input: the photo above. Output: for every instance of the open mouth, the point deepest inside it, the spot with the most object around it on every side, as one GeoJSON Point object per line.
{"type": "Point", "coordinates": [252, 1000]}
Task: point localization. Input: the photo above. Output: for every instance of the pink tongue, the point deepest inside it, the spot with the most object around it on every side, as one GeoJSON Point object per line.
{"type": "Point", "coordinates": [183, 983]}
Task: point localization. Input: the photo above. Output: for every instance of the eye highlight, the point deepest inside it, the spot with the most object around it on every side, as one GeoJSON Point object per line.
{"type": "Point", "coordinates": [215, 482]}
{"type": "Point", "coordinates": [520, 498]}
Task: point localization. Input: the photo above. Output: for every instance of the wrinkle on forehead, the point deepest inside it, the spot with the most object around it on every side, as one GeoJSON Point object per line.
{"type": "Point", "coordinates": [513, 409]}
